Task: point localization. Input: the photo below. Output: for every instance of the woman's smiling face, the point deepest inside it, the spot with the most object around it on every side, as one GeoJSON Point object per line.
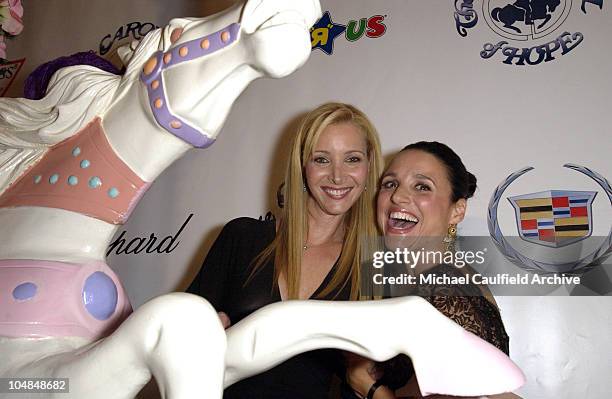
{"type": "Point", "coordinates": [337, 170]}
{"type": "Point", "coordinates": [414, 205]}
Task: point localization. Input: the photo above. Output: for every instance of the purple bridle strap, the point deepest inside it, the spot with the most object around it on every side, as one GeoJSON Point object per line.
{"type": "Point", "coordinates": [152, 77]}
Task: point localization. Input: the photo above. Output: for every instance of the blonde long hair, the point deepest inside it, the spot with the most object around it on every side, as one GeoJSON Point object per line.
{"type": "Point", "coordinates": [287, 247]}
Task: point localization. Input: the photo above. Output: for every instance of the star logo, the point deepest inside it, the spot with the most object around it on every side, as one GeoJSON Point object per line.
{"type": "Point", "coordinates": [323, 33]}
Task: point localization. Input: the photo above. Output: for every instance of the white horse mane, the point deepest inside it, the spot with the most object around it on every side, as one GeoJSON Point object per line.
{"type": "Point", "coordinates": [75, 95]}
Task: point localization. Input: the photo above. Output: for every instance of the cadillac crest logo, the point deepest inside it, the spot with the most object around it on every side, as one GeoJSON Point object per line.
{"type": "Point", "coordinates": [528, 31]}
{"type": "Point", "coordinates": [554, 218]}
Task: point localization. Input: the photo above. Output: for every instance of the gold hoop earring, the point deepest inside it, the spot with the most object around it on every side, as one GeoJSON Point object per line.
{"type": "Point", "coordinates": [451, 236]}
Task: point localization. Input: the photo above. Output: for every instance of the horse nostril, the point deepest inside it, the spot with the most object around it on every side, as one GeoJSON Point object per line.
{"type": "Point", "coordinates": [176, 34]}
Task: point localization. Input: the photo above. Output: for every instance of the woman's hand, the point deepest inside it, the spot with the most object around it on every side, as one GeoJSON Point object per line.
{"type": "Point", "coordinates": [360, 373]}
{"type": "Point", "coordinates": [225, 320]}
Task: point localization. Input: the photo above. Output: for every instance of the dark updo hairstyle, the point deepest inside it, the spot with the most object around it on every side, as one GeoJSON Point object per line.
{"type": "Point", "coordinates": [463, 183]}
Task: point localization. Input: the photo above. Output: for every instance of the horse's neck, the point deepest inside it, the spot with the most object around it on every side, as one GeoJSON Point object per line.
{"type": "Point", "coordinates": [136, 137]}
{"type": "Point", "coordinates": [43, 232]}
{"type": "Point", "coordinates": [146, 149]}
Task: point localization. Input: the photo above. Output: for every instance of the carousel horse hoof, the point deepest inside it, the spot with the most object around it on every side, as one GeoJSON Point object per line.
{"type": "Point", "coordinates": [476, 368]}
{"type": "Point", "coordinates": [449, 360]}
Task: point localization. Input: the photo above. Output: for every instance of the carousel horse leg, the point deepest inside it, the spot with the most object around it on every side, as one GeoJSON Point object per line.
{"type": "Point", "coordinates": [447, 359]}
{"type": "Point", "coordinates": [177, 338]}
{"type": "Point", "coordinates": [183, 343]}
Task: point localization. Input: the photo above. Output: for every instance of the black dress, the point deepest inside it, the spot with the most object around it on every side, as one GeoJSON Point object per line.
{"type": "Point", "coordinates": [223, 282]}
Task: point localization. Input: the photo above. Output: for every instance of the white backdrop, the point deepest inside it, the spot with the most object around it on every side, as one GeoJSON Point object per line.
{"type": "Point", "coordinates": [418, 81]}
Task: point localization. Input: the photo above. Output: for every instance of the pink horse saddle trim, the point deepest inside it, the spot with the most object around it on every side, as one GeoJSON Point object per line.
{"type": "Point", "coordinates": [82, 174]}
{"type": "Point", "coordinates": [59, 299]}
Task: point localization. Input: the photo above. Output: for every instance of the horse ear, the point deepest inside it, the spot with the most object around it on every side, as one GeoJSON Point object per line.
{"type": "Point", "coordinates": [256, 12]}
{"type": "Point", "coordinates": [126, 51]}
{"type": "Point", "coordinates": [247, 19]}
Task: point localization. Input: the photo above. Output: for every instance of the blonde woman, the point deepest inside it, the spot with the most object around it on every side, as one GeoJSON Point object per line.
{"type": "Point", "coordinates": [313, 251]}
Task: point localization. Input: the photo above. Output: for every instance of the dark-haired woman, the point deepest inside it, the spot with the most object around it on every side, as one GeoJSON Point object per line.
{"type": "Point", "coordinates": [422, 197]}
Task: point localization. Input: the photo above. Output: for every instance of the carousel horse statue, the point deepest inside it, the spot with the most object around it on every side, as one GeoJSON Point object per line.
{"type": "Point", "coordinates": [74, 164]}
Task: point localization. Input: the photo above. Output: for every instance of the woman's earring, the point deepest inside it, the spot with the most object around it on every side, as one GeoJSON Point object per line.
{"type": "Point", "coordinates": [365, 188]}
{"type": "Point", "coordinates": [451, 236]}
{"type": "Point", "coordinates": [304, 187]}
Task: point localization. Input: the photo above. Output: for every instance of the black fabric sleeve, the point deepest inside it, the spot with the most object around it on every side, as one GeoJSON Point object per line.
{"type": "Point", "coordinates": [213, 279]}
{"type": "Point", "coordinates": [477, 315]}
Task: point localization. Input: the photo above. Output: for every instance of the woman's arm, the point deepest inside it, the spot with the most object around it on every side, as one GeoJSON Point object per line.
{"type": "Point", "coordinates": [361, 374]}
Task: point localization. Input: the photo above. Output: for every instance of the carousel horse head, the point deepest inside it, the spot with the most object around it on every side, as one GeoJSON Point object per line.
{"type": "Point", "coordinates": [194, 69]}
{"type": "Point", "coordinates": [181, 79]}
